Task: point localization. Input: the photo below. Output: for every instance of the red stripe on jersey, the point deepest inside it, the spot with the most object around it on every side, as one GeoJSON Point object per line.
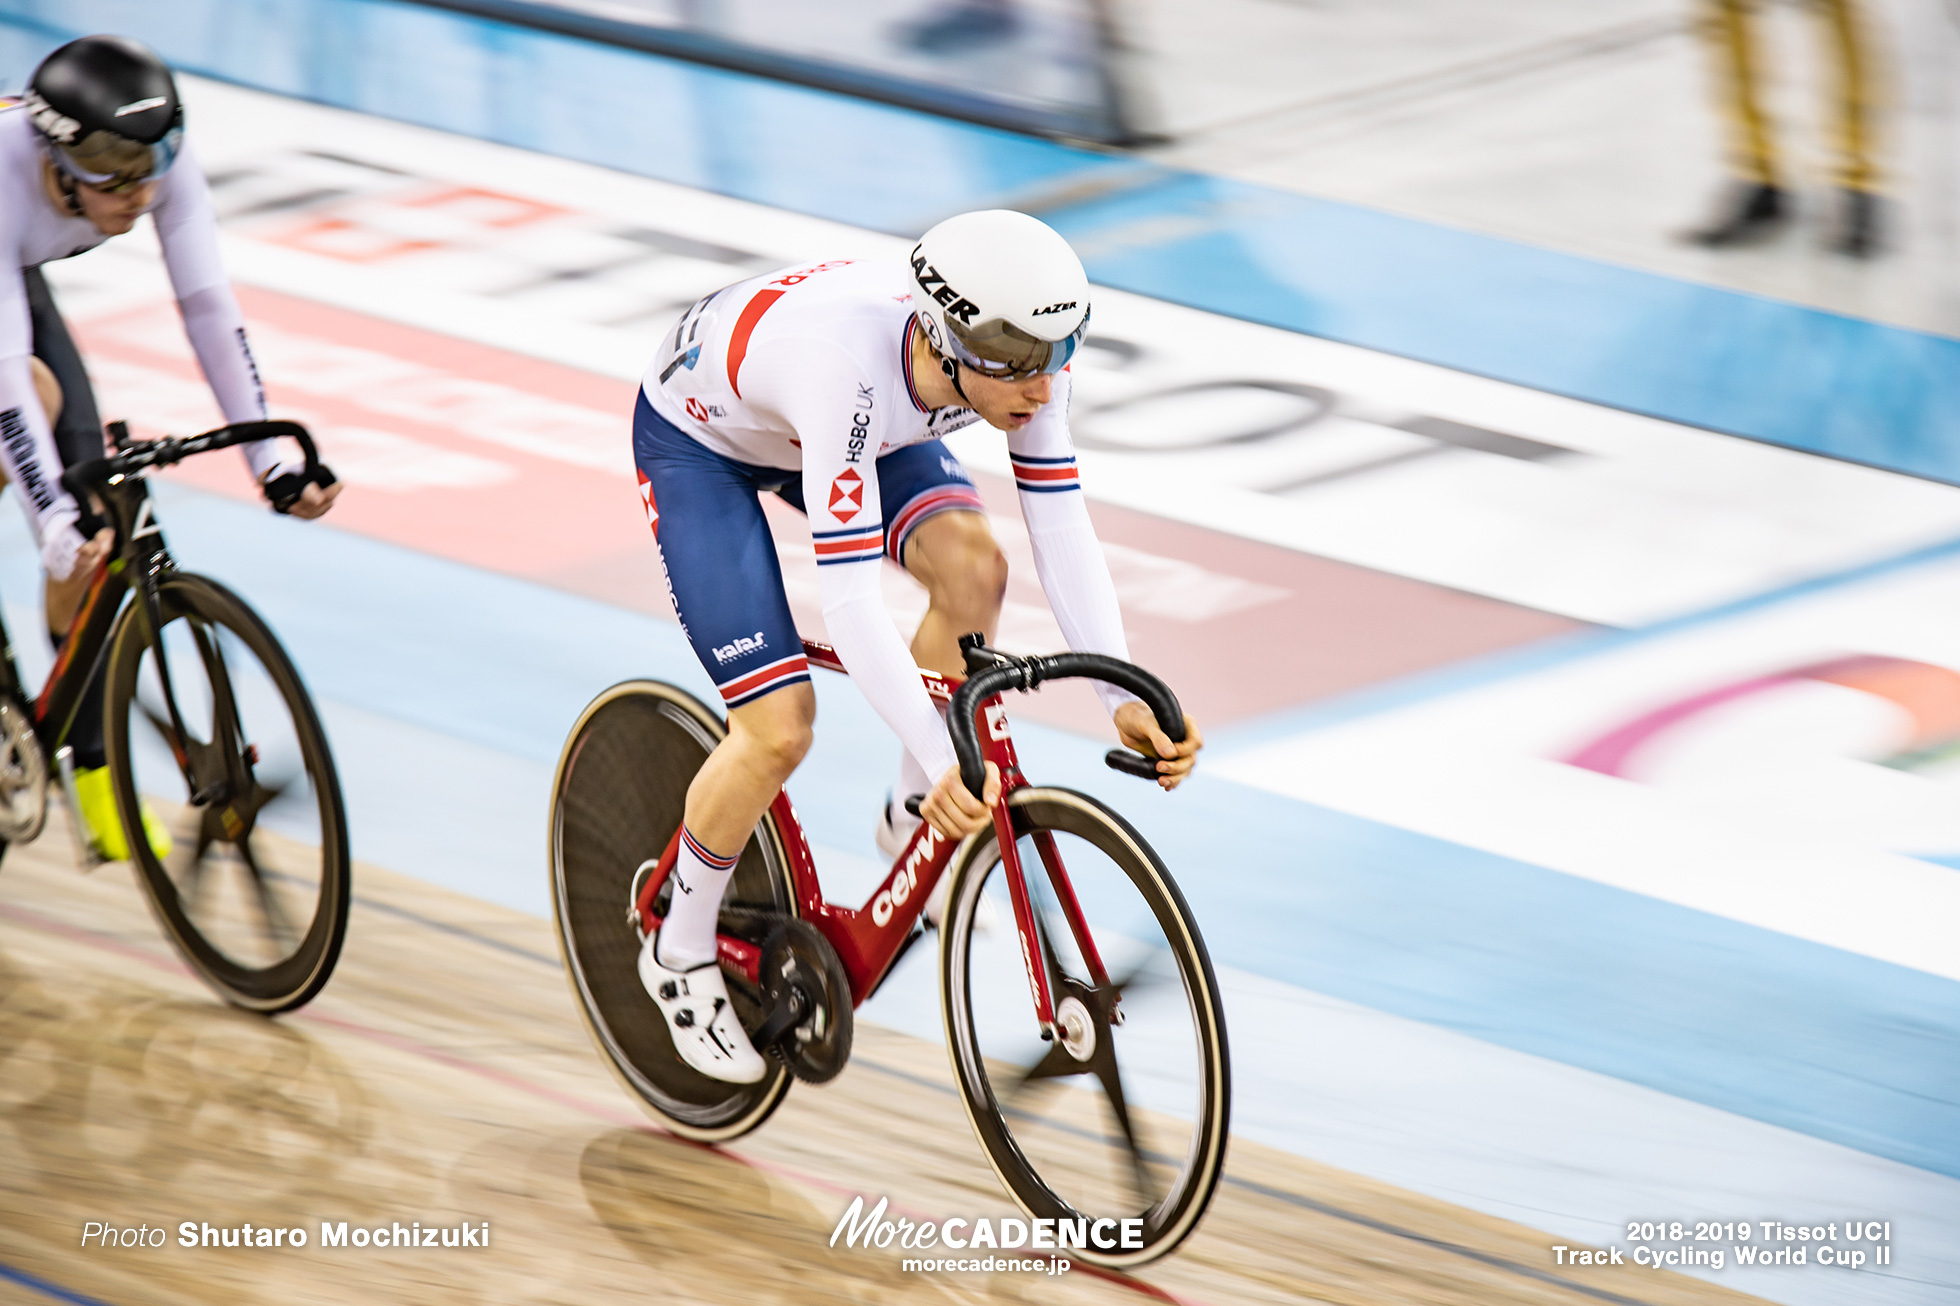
{"type": "Point", "coordinates": [1023, 472]}
{"type": "Point", "coordinates": [873, 542]}
{"type": "Point", "coordinates": [738, 343]}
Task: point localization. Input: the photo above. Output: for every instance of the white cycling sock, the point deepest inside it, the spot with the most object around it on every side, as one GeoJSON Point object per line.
{"type": "Point", "coordinates": [687, 935]}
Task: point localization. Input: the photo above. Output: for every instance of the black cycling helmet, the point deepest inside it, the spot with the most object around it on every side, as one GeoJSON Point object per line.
{"type": "Point", "coordinates": [108, 109]}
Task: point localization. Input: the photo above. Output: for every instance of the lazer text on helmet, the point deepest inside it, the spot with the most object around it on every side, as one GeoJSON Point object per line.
{"type": "Point", "coordinates": [957, 305]}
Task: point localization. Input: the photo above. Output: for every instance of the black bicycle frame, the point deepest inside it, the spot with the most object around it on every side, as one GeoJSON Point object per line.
{"type": "Point", "coordinates": [54, 710]}
{"type": "Point", "coordinates": [141, 559]}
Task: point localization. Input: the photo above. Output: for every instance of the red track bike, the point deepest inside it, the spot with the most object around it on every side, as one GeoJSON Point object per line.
{"type": "Point", "coordinates": [1085, 1027]}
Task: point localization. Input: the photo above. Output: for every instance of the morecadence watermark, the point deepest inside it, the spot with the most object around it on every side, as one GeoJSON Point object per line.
{"type": "Point", "coordinates": [871, 1229]}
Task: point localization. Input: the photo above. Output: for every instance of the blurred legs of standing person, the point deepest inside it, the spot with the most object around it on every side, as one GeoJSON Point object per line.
{"type": "Point", "coordinates": [959, 26]}
{"type": "Point", "coordinates": [1758, 201]}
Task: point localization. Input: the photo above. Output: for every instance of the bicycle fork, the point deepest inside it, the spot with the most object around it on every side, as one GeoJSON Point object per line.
{"type": "Point", "coordinates": [232, 780]}
{"type": "Point", "coordinates": [998, 747]}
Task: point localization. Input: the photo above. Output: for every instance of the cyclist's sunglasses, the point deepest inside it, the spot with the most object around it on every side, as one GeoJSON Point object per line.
{"type": "Point", "coordinates": [1003, 351]}
{"type": "Point", "coordinates": [107, 162]}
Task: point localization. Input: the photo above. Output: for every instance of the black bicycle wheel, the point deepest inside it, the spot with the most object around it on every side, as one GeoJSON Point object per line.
{"type": "Point", "coordinates": [618, 797]}
{"type": "Point", "coordinates": [1125, 1114]}
{"type": "Point", "coordinates": [254, 886]}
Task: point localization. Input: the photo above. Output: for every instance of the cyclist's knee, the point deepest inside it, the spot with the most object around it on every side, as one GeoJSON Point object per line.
{"type": "Point", "coordinates": [959, 563]}
{"type": "Point", "coordinates": [776, 730]}
{"type": "Point", "coordinates": [46, 388]}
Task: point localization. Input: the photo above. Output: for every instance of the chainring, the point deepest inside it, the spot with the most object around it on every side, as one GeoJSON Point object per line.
{"type": "Point", "coordinates": [799, 966]}
{"type": "Point", "coordinates": [23, 776]}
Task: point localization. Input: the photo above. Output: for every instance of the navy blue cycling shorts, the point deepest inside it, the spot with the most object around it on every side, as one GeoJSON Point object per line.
{"type": "Point", "coordinates": [720, 559]}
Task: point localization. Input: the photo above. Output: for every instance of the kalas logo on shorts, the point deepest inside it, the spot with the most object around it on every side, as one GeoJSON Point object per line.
{"type": "Point", "coordinates": [729, 652]}
{"type": "Point", "coordinates": [846, 495]}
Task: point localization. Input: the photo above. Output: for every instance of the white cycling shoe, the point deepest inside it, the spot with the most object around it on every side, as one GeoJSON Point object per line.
{"type": "Point", "coordinates": [895, 827]}
{"type": "Point", "coordinates": [701, 1019]}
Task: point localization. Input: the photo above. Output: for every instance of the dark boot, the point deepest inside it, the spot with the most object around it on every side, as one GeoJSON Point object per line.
{"type": "Point", "coordinates": [1749, 212]}
{"type": "Point", "coordinates": [962, 25]}
{"type": "Point", "coordinates": [1859, 222]}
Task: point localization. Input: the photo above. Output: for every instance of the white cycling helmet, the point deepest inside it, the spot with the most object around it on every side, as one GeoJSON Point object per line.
{"type": "Point", "coordinates": [1000, 292]}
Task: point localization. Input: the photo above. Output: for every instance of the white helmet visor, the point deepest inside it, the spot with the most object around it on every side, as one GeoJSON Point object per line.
{"type": "Point", "coordinates": [1001, 350]}
{"type": "Point", "coordinates": [106, 161]}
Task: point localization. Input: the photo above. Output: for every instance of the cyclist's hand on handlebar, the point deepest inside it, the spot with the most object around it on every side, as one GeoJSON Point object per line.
{"type": "Point", "coordinates": [68, 557]}
{"type": "Point", "coordinates": [298, 493]}
{"type": "Point", "coordinates": [1137, 727]}
{"type": "Point", "coordinates": [99, 546]}
{"type": "Point", "coordinates": [65, 593]}
{"type": "Point", "coordinates": [956, 813]}
{"type": "Point", "coordinates": [314, 501]}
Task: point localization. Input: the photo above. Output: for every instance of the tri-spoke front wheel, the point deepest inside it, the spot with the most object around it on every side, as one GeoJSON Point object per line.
{"type": "Point", "coordinates": [1123, 1115]}
{"type": "Point", "coordinates": [228, 796]}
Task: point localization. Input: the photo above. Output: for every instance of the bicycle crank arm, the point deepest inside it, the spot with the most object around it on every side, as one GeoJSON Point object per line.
{"type": "Point", "coordinates": [789, 1012]}
{"type": "Point", "coordinates": [86, 854]}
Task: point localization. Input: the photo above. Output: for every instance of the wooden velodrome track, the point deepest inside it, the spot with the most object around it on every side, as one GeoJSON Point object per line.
{"type": "Point", "coordinates": [445, 1077]}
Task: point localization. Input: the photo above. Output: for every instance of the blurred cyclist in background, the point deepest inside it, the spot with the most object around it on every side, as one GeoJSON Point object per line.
{"type": "Point", "coordinates": [94, 144]}
{"type": "Point", "coordinates": [1758, 201]}
{"type": "Point", "coordinates": [830, 385]}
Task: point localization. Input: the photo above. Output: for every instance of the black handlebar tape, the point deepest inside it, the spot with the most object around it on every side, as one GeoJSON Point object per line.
{"type": "Point", "coordinates": [1136, 764]}
{"type": "Point", "coordinates": [246, 432]}
{"type": "Point", "coordinates": [959, 721]}
{"type": "Point", "coordinates": [1026, 673]}
{"type": "Point", "coordinates": [95, 472]}
{"type": "Point", "coordinates": [76, 480]}
{"type": "Point", "coordinates": [83, 477]}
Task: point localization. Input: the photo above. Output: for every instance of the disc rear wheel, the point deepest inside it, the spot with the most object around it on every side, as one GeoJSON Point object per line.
{"type": "Point", "coordinates": [618, 798]}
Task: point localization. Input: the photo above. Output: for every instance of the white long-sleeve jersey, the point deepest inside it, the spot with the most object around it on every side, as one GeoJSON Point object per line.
{"type": "Point", "coordinates": [32, 232]}
{"type": "Point", "coordinates": [810, 368]}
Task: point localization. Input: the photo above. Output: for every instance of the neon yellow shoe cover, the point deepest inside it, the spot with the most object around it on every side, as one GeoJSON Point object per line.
{"type": "Point", "coordinates": [105, 826]}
